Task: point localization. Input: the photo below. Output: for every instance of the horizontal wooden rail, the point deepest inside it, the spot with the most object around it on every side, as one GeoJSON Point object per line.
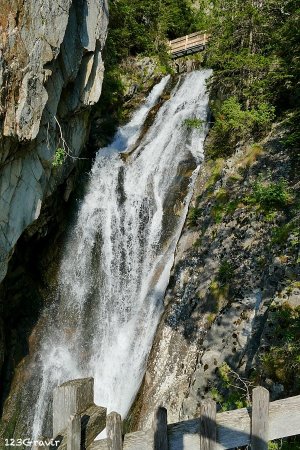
{"type": "Point", "coordinates": [191, 43]}
{"type": "Point", "coordinates": [233, 429]}
{"type": "Point", "coordinates": [78, 421]}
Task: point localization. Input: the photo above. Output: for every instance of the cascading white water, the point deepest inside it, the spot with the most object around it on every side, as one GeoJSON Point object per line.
{"type": "Point", "coordinates": [118, 257]}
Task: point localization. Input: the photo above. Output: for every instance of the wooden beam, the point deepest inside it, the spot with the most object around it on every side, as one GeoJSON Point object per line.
{"type": "Point", "coordinates": [93, 421]}
{"type": "Point", "coordinates": [208, 425]}
{"type": "Point", "coordinates": [72, 397]}
{"type": "Point", "coordinates": [233, 428]}
{"type": "Point", "coordinates": [74, 433]}
{"type": "Point", "coordinates": [114, 431]}
{"type": "Point", "coordinates": [260, 419]}
{"type": "Point", "coordinates": [160, 429]}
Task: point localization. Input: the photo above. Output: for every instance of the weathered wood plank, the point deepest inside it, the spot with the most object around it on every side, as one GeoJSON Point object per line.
{"type": "Point", "coordinates": [139, 440]}
{"type": "Point", "coordinates": [260, 419]}
{"type": "Point", "coordinates": [74, 433]}
{"type": "Point", "coordinates": [114, 431]}
{"type": "Point", "coordinates": [208, 425]}
{"type": "Point", "coordinates": [93, 421]}
{"type": "Point", "coordinates": [72, 397]}
{"type": "Point", "coordinates": [284, 418]}
{"type": "Point", "coordinates": [185, 45]}
{"type": "Point", "coordinates": [233, 428]}
{"type": "Point", "coordinates": [188, 44]}
{"type": "Point", "coordinates": [160, 429]}
{"type": "Point", "coordinates": [99, 445]}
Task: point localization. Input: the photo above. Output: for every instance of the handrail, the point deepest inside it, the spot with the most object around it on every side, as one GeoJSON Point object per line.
{"type": "Point", "coordinates": [188, 44]}
{"type": "Point", "coordinates": [75, 418]}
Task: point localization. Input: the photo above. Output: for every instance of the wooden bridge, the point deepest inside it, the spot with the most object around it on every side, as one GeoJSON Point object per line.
{"type": "Point", "coordinates": [187, 45]}
{"type": "Point", "coordinates": [77, 422]}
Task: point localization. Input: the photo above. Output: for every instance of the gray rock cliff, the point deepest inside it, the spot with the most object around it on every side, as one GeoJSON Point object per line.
{"type": "Point", "coordinates": [51, 73]}
{"type": "Point", "coordinates": [235, 276]}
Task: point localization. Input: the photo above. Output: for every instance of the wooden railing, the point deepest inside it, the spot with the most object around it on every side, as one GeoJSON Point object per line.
{"type": "Point", "coordinates": [189, 44]}
{"type": "Point", "coordinates": [77, 421]}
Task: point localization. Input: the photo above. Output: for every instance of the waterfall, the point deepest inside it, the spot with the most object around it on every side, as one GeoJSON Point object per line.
{"type": "Point", "coordinates": [119, 253]}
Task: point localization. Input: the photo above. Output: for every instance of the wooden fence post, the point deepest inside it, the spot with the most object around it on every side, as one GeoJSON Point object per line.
{"type": "Point", "coordinates": [74, 433]}
{"type": "Point", "coordinates": [114, 431]}
{"type": "Point", "coordinates": [208, 425]}
{"type": "Point", "coordinates": [160, 429]}
{"type": "Point", "coordinates": [260, 419]}
{"type": "Point", "coordinates": [72, 397]}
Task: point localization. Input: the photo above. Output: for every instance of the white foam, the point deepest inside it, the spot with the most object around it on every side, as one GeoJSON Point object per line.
{"type": "Point", "coordinates": [116, 265]}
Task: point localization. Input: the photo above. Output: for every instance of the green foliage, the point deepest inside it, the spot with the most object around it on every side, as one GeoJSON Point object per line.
{"type": "Point", "coordinates": [289, 231]}
{"type": "Point", "coordinates": [270, 195]}
{"type": "Point", "coordinates": [142, 26]}
{"type": "Point", "coordinates": [282, 361]}
{"type": "Point", "coordinates": [193, 215]}
{"type": "Point", "coordinates": [249, 49]}
{"type": "Point", "coordinates": [138, 27]}
{"type": "Point", "coordinates": [292, 139]}
{"type": "Point", "coordinates": [216, 173]}
{"type": "Point", "coordinates": [226, 272]}
{"type": "Point", "coordinates": [234, 123]}
{"type": "Point", "coordinates": [59, 157]}
{"type": "Point", "coordinates": [223, 205]}
{"type": "Point", "coordinates": [233, 118]}
{"type": "Point", "coordinates": [256, 70]}
{"type": "Point", "coordinates": [292, 443]}
{"type": "Point", "coordinates": [235, 390]}
{"type": "Point", "coordinates": [193, 123]}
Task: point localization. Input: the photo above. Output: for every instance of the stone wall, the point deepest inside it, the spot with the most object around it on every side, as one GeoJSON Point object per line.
{"type": "Point", "coordinates": [51, 73]}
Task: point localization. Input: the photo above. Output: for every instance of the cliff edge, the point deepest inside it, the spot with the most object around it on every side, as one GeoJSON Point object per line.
{"type": "Point", "coordinates": [51, 73]}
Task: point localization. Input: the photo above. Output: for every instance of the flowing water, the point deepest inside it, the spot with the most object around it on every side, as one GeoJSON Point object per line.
{"type": "Point", "coordinates": [119, 253]}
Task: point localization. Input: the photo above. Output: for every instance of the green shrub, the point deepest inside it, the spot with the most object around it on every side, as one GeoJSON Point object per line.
{"type": "Point", "coordinates": [59, 157]}
{"type": "Point", "coordinates": [292, 138]}
{"type": "Point", "coordinates": [270, 195]}
{"type": "Point", "coordinates": [233, 119]}
{"type": "Point", "coordinates": [223, 206]}
{"type": "Point", "coordinates": [292, 443]}
{"type": "Point", "coordinates": [216, 173]}
{"type": "Point", "coordinates": [226, 272]}
{"type": "Point", "coordinates": [235, 389]}
{"type": "Point", "coordinates": [280, 235]}
{"type": "Point", "coordinates": [193, 215]}
{"type": "Point", "coordinates": [282, 361]}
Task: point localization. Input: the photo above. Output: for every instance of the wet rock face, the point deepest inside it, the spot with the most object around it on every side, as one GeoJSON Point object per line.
{"type": "Point", "coordinates": [51, 73]}
{"type": "Point", "coordinates": [230, 269]}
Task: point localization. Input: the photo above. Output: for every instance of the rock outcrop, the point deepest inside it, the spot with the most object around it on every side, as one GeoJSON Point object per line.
{"type": "Point", "coordinates": [237, 262]}
{"type": "Point", "coordinates": [51, 73]}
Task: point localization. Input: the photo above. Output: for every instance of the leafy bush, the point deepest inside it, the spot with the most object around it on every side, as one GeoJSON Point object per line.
{"type": "Point", "coordinates": [235, 389]}
{"type": "Point", "coordinates": [216, 172]}
{"type": "Point", "coordinates": [292, 139]}
{"type": "Point", "coordinates": [282, 361]}
{"type": "Point", "coordinates": [193, 215]}
{"type": "Point", "coordinates": [292, 443]}
{"type": "Point", "coordinates": [270, 195]}
{"type": "Point", "coordinates": [226, 272]}
{"type": "Point", "coordinates": [232, 118]}
{"type": "Point", "coordinates": [59, 157]}
{"type": "Point", "coordinates": [280, 235]}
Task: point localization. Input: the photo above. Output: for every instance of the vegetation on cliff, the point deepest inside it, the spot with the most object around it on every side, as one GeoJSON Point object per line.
{"type": "Point", "coordinates": [254, 52]}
